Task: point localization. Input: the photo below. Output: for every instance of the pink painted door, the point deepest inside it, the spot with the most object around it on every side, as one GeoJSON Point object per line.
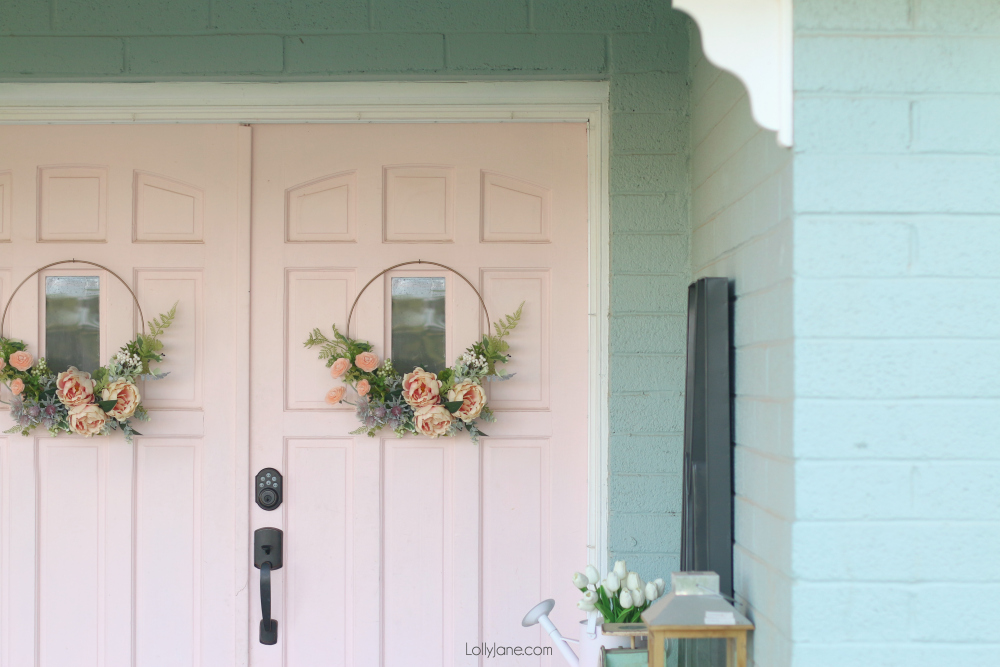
{"type": "Point", "coordinates": [413, 551]}
{"type": "Point", "coordinates": [114, 554]}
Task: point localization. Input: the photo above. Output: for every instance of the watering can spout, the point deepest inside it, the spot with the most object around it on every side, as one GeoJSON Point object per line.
{"type": "Point", "coordinates": [539, 615]}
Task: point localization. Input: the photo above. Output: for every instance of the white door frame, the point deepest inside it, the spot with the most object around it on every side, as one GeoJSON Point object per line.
{"type": "Point", "coordinates": [371, 102]}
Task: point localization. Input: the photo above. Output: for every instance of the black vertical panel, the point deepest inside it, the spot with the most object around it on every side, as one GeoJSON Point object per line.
{"type": "Point", "coordinates": [707, 514]}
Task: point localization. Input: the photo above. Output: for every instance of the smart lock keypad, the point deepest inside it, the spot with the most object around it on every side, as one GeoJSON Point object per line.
{"type": "Point", "coordinates": [269, 485]}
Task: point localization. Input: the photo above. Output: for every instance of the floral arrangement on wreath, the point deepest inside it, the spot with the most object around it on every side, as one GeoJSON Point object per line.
{"type": "Point", "coordinates": [620, 597]}
{"type": "Point", "coordinates": [418, 402]}
{"type": "Point", "coordinates": [75, 401]}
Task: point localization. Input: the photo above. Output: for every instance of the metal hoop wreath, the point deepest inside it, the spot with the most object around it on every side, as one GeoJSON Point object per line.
{"type": "Point", "coordinates": [350, 315]}
{"type": "Point", "coordinates": [3, 319]}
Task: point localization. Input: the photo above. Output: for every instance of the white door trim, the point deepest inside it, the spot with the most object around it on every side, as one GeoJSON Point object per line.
{"type": "Point", "coordinates": [368, 102]}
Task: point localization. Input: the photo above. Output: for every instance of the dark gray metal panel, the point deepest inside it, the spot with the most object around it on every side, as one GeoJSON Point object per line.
{"type": "Point", "coordinates": [707, 513]}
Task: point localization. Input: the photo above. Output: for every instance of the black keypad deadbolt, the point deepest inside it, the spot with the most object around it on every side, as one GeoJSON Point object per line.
{"type": "Point", "coordinates": [268, 485]}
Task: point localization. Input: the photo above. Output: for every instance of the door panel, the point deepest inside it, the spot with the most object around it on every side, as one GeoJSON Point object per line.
{"type": "Point", "coordinates": [408, 551]}
{"type": "Point", "coordinates": [118, 554]}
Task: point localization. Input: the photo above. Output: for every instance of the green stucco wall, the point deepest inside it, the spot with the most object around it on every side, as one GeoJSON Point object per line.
{"type": "Point", "coordinates": [640, 45]}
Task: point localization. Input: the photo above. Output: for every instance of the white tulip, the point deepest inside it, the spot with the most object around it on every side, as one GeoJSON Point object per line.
{"type": "Point", "coordinates": [625, 599]}
{"type": "Point", "coordinates": [612, 583]}
{"type": "Point", "coordinates": [659, 587]}
{"type": "Point", "coordinates": [651, 592]}
{"type": "Point", "coordinates": [586, 603]}
{"type": "Point", "coordinates": [592, 574]}
{"type": "Point", "coordinates": [637, 597]}
{"type": "Point", "coordinates": [585, 606]}
{"type": "Point", "coordinates": [620, 569]}
{"type": "Point", "coordinates": [634, 581]}
{"type": "Point", "coordinates": [580, 580]}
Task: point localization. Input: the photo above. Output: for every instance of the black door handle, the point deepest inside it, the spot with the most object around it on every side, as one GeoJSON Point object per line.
{"type": "Point", "coordinates": [268, 626]}
{"type": "Point", "coordinates": [267, 557]}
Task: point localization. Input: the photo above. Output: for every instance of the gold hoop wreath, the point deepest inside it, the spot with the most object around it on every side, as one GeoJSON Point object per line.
{"type": "Point", "coordinates": [75, 401]}
{"type": "Point", "coordinates": [416, 402]}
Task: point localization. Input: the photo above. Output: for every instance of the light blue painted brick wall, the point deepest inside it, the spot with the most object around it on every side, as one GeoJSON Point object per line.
{"type": "Point", "coordinates": [640, 45]}
{"type": "Point", "coordinates": [897, 290]}
{"type": "Point", "coordinates": [741, 228]}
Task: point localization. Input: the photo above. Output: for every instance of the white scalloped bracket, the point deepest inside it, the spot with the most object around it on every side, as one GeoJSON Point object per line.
{"type": "Point", "coordinates": [752, 39]}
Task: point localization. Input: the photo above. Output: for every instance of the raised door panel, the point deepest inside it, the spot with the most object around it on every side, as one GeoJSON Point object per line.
{"type": "Point", "coordinates": [319, 541]}
{"type": "Point", "coordinates": [73, 203]}
{"type": "Point", "coordinates": [315, 298]}
{"type": "Point", "coordinates": [323, 210]}
{"type": "Point", "coordinates": [158, 290]}
{"type": "Point", "coordinates": [166, 210]}
{"type": "Point", "coordinates": [514, 210]}
{"type": "Point", "coordinates": [168, 551]}
{"type": "Point", "coordinates": [506, 289]}
{"type": "Point", "coordinates": [419, 204]}
{"type": "Point", "coordinates": [71, 551]}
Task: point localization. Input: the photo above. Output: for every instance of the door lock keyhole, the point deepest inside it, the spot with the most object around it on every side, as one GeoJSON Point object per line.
{"type": "Point", "coordinates": [268, 485]}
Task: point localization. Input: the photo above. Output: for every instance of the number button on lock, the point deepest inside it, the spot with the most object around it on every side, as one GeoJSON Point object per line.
{"type": "Point", "coordinates": [268, 489]}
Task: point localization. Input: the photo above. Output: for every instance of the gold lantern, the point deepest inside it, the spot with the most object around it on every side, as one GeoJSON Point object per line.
{"type": "Point", "coordinates": [694, 609]}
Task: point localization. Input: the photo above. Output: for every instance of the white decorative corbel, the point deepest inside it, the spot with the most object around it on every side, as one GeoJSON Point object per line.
{"type": "Point", "coordinates": [753, 40]}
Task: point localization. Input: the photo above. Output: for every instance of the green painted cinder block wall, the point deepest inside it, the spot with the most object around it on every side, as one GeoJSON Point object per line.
{"type": "Point", "coordinates": [641, 46]}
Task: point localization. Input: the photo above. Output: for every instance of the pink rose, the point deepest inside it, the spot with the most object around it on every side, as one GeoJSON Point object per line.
{"type": "Point", "coordinates": [74, 387]}
{"type": "Point", "coordinates": [473, 399]}
{"type": "Point", "coordinates": [87, 419]}
{"type": "Point", "coordinates": [126, 395]}
{"type": "Point", "coordinates": [366, 361]}
{"type": "Point", "coordinates": [21, 360]}
{"type": "Point", "coordinates": [335, 395]}
{"type": "Point", "coordinates": [421, 388]}
{"type": "Point", "coordinates": [432, 420]}
{"type": "Point", "coordinates": [17, 386]}
{"type": "Point", "coordinates": [339, 367]}
{"type": "Point", "coordinates": [363, 388]}
{"type": "Point", "coordinates": [3, 364]}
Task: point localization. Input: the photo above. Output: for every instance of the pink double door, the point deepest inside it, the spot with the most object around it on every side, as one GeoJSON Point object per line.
{"type": "Point", "coordinates": [409, 551]}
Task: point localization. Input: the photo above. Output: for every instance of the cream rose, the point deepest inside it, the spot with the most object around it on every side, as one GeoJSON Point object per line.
{"type": "Point", "coordinates": [473, 399]}
{"type": "Point", "coordinates": [421, 388]}
{"type": "Point", "coordinates": [127, 396]}
{"type": "Point", "coordinates": [87, 419]}
{"type": "Point", "coordinates": [432, 420]}
{"type": "Point", "coordinates": [339, 367]}
{"type": "Point", "coordinates": [366, 361]}
{"type": "Point", "coordinates": [21, 360]}
{"type": "Point", "coordinates": [74, 387]}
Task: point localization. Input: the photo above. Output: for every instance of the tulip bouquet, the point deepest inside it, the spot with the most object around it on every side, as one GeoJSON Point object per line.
{"type": "Point", "coordinates": [620, 597]}
{"type": "Point", "coordinates": [418, 402]}
{"type": "Point", "coordinates": [77, 402]}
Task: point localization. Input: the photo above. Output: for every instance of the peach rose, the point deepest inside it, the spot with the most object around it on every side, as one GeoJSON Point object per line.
{"type": "Point", "coordinates": [74, 387]}
{"type": "Point", "coordinates": [421, 388]}
{"type": "Point", "coordinates": [21, 360]}
{"type": "Point", "coordinates": [17, 386]}
{"type": "Point", "coordinates": [366, 361]}
{"type": "Point", "coordinates": [432, 420]}
{"type": "Point", "coordinates": [473, 399]}
{"type": "Point", "coordinates": [364, 388]}
{"type": "Point", "coordinates": [126, 395]}
{"type": "Point", "coordinates": [339, 367]}
{"type": "Point", "coordinates": [335, 395]}
{"type": "Point", "coordinates": [87, 419]}
{"type": "Point", "coordinates": [3, 364]}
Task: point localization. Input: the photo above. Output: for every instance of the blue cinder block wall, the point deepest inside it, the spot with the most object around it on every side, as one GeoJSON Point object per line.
{"type": "Point", "coordinates": [641, 46]}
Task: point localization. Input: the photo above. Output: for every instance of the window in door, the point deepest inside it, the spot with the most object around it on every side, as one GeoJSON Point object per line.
{"type": "Point", "coordinates": [72, 322]}
{"type": "Point", "coordinates": [418, 323]}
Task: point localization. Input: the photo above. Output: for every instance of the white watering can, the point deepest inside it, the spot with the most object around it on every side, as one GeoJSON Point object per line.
{"type": "Point", "coordinates": [591, 638]}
